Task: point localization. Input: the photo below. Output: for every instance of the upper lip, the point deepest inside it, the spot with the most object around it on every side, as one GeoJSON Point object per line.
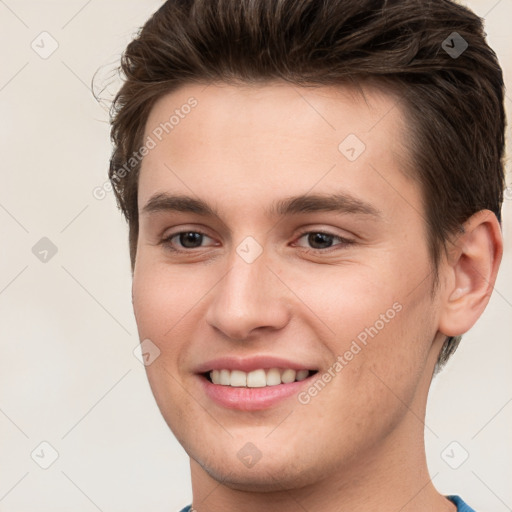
{"type": "Point", "coordinates": [248, 364]}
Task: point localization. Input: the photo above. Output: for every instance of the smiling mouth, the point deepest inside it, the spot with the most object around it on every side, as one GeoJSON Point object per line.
{"type": "Point", "coordinates": [257, 378]}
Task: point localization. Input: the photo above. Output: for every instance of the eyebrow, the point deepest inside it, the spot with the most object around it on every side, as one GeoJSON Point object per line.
{"type": "Point", "coordinates": [342, 203]}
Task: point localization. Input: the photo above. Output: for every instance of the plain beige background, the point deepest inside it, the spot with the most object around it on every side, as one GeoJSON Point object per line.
{"type": "Point", "coordinates": [68, 374]}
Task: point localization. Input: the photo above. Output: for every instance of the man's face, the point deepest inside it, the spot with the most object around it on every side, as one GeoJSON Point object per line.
{"type": "Point", "coordinates": [342, 293]}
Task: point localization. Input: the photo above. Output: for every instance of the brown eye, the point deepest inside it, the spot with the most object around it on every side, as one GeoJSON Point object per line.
{"type": "Point", "coordinates": [190, 239]}
{"type": "Point", "coordinates": [322, 241]}
{"type": "Point", "coordinates": [184, 240]}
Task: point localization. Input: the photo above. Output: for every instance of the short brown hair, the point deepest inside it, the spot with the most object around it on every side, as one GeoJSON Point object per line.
{"type": "Point", "coordinates": [453, 99]}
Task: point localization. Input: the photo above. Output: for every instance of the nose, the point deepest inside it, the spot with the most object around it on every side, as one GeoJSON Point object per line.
{"type": "Point", "coordinates": [250, 297]}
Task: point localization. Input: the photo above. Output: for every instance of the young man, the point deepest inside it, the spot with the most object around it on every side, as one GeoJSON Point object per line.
{"type": "Point", "coordinates": [313, 191]}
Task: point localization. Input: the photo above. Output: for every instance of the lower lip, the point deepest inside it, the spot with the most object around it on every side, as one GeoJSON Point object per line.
{"type": "Point", "coordinates": [251, 399]}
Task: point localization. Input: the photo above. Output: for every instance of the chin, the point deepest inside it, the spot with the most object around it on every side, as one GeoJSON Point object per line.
{"type": "Point", "coordinates": [283, 474]}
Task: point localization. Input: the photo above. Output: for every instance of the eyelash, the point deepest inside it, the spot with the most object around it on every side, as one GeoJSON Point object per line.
{"type": "Point", "coordinates": [166, 242]}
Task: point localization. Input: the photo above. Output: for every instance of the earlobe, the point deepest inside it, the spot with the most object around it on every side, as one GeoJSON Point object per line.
{"type": "Point", "coordinates": [472, 269]}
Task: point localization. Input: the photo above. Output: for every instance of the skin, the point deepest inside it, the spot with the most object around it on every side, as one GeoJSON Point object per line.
{"type": "Point", "coordinates": [358, 444]}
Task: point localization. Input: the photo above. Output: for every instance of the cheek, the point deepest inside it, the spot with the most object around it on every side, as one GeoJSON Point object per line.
{"type": "Point", "coordinates": [384, 331]}
{"type": "Point", "coordinates": [158, 306]}
{"type": "Point", "coordinates": [162, 304]}
{"type": "Point", "coordinates": [162, 298]}
{"type": "Point", "coordinates": [381, 380]}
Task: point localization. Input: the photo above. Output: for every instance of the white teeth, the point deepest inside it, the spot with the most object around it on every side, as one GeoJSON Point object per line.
{"type": "Point", "coordinates": [288, 376]}
{"type": "Point", "coordinates": [257, 378]}
{"type": "Point", "coordinates": [238, 378]}
{"type": "Point", "coordinates": [273, 377]}
{"type": "Point", "coordinates": [225, 377]}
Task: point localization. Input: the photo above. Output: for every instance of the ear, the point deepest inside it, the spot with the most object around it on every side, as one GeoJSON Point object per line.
{"type": "Point", "coordinates": [472, 266]}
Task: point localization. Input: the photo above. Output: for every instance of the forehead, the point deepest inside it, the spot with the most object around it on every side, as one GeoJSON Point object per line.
{"type": "Point", "coordinates": [252, 139]}
{"type": "Point", "coordinates": [324, 112]}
